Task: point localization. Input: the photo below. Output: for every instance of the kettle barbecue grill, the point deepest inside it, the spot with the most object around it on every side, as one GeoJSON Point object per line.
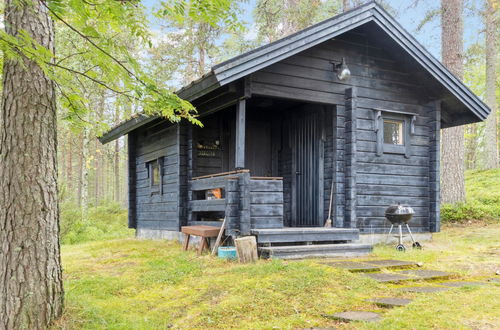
{"type": "Point", "coordinates": [400, 215]}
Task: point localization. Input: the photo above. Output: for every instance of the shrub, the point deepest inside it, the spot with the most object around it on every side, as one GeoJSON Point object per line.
{"type": "Point", "coordinates": [104, 222]}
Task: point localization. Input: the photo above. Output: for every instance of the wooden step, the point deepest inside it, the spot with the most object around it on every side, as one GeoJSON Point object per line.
{"type": "Point", "coordinates": [315, 251]}
{"type": "Point", "coordinates": [313, 234]}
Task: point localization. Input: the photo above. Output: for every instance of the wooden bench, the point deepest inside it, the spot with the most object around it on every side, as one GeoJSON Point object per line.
{"type": "Point", "coordinates": [202, 231]}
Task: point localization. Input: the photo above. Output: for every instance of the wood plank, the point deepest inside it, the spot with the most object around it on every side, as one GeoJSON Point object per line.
{"type": "Point", "coordinates": [266, 185]}
{"type": "Point", "coordinates": [221, 174]}
{"type": "Point", "coordinates": [266, 197]}
{"type": "Point", "coordinates": [207, 205]}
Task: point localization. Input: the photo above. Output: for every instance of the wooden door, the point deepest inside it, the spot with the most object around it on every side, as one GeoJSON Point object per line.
{"type": "Point", "coordinates": [307, 168]}
{"type": "Point", "coordinates": [258, 153]}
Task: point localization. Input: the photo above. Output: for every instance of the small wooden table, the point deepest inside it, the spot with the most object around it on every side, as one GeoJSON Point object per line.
{"type": "Point", "coordinates": [202, 231]}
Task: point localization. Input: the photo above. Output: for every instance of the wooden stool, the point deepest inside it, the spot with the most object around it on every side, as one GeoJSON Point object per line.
{"type": "Point", "coordinates": [202, 231]}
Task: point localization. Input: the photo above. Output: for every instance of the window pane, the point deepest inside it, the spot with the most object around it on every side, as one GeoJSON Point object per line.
{"type": "Point", "coordinates": [155, 170]}
{"type": "Point", "coordinates": [393, 132]}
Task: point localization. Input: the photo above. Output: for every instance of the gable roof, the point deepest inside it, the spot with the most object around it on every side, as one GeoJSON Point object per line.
{"type": "Point", "coordinates": [254, 60]}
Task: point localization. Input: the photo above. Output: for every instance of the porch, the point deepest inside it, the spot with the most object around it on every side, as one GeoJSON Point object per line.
{"type": "Point", "coordinates": [268, 154]}
{"type": "Point", "coordinates": [254, 206]}
{"type": "Point", "coordinates": [246, 201]}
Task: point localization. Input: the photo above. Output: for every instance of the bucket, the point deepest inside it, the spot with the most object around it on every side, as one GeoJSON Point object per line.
{"type": "Point", "coordinates": [227, 252]}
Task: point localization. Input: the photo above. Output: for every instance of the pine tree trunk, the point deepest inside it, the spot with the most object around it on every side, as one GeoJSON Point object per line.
{"type": "Point", "coordinates": [69, 165]}
{"type": "Point", "coordinates": [31, 291]}
{"type": "Point", "coordinates": [490, 134]}
{"type": "Point", "coordinates": [345, 5]}
{"type": "Point", "coordinates": [117, 160]}
{"type": "Point", "coordinates": [452, 139]}
{"type": "Point", "coordinates": [80, 171]}
{"type": "Point", "coordinates": [85, 173]}
{"type": "Point", "coordinates": [471, 146]}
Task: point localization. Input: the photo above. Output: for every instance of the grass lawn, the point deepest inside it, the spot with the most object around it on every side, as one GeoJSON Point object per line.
{"type": "Point", "coordinates": [133, 284]}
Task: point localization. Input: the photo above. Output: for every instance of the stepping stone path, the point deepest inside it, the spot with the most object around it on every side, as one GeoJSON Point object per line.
{"type": "Point", "coordinates": [370, 265]}
{"type": "Point", "coordinates": [425, 274]}
{"type": "Point", "coordinates": [424, 289]}
{"type": "Point", "coordinates": [402, 275]}
{"type": "Point", "coordinates": [391, 263]}
{"type": "Point", "coordinates": [357, 316]}
{"type": "Point", "coordinates": [459, 284]}
{"type": "Point", "coordinates": [390, 302]}
{"type": "Point", "coordinates": [354, 266]}
{"type": "Point", "coordinates": [387, 277]}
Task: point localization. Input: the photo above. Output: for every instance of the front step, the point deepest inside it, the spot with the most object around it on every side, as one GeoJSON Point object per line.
{"type": "Point", "coordinates": [315, 251]}
{"type": "Point", "coordinates": [314, 234]}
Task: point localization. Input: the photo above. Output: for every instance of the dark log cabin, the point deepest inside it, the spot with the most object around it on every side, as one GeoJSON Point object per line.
{"type": "Point", "coordinates": [280, 126]}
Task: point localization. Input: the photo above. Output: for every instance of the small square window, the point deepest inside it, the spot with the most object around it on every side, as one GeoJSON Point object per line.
{"type": "Point", "coordinates": [393, 132]}
{"type": "Point", "coordinates": [155, 173]}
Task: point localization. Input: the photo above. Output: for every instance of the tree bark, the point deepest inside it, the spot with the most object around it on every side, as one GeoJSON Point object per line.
{"type": "Point", "coordinates": [31, 290]}
{"type": "Point", "coordinates": [345, 5]}
{"type": "Point", "coordinates": [452, 139]}
{"type": "Point", "coordinates": [69, 165]}
{"type": "Point", "coordinates": [491, 137]}
{"type": "Point", "coordinates": [80, 171]}
{"type": "Point", "coordinates": [117, 160]}
{"type": "Point", "coordinates": [85, 173]}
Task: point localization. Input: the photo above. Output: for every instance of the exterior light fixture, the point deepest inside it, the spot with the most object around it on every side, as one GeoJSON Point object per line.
{"type": "Point", "coordinates": [343, 72]}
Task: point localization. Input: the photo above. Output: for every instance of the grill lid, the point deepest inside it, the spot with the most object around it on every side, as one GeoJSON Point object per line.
{"type": "Point", "coordinates": [399, 210]}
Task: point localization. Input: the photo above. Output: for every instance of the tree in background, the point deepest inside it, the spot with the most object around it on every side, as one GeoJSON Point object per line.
{"type": "Point", "coordinates": [276, 19]}
{"type": "Point", "coordinates": [491, 133]}
{"type": "Point", "coordinates": [196, 42]}
{"type": "Point", "coordinates": [452, 139]}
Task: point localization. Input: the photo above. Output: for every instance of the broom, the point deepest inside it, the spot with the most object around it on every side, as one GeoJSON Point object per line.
{"type": "Point", "coordinates": [328, 222]}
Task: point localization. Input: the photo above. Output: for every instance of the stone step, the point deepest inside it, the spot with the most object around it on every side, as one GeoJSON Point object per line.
{"type": "Point", "coordinates": [409, 275]}
{"type": "Point", "coordinates": [371, 265]}
{"type": "Point", "coordinates": [302, 235]}
{"type": "Point", "coordinates": [315, 251]}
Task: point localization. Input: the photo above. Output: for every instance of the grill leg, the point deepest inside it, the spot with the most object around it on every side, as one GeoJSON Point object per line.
{"type": "Point", "coordinates": [412, 239]}
{"type": "Point", "coordinates": [400, 234]}
{"type": "Point", "coordinates": [389, 235]}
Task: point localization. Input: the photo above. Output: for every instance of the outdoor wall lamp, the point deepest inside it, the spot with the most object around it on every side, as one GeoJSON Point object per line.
{"type": "Point", "coordinates": [343, 72]}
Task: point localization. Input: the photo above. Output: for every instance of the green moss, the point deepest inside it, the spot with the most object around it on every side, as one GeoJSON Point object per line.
{"type": "Point", "coordinates": [483, 199]}
{"type": "Point", "coordinates": [134, 284]}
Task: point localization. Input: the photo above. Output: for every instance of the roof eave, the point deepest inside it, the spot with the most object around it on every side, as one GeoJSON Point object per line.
{"type": "Point", "coordinates": [125, 128]}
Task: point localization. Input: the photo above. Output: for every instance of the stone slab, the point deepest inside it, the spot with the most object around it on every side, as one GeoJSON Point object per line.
{"type": "Point", "coordinates": [357, 316]}
{"type": "Point", "coordinates": [425, 274]}
{"type": "Point", "coordinates": [390, 302]}
{"type": "Point", "coordinates": [424, 289]}
{"type": "Point", "coordinates": [390, 263]}
{"type": "Point", "coordinates": [384, 277]}
{"type": "Point", "coordinates": [459, 284]}
{"type": "Point", "coordinates": [353, 266]}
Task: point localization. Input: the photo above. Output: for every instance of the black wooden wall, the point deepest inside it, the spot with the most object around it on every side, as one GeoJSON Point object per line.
{"type": "Point", "coordinates": [366, 185]}
{"type": "Point", "coordinates": [158, 210]}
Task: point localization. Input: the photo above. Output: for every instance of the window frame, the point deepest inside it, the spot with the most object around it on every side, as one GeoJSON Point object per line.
{"type": "Point", "coordinates": [158, 187]}
{"type": "Point", "coordinates": [408, 120]}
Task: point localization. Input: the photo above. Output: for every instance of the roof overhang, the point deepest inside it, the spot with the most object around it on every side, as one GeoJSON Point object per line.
{"type": "Point", "coordinates": [259, 58]}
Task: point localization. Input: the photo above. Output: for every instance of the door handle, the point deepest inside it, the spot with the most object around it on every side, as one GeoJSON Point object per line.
{"type": "Point", "coordinates": [298, 173]}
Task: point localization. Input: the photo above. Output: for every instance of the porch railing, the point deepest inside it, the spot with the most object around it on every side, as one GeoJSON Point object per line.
{"type": "Point", "coordinates": [246, 202]}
